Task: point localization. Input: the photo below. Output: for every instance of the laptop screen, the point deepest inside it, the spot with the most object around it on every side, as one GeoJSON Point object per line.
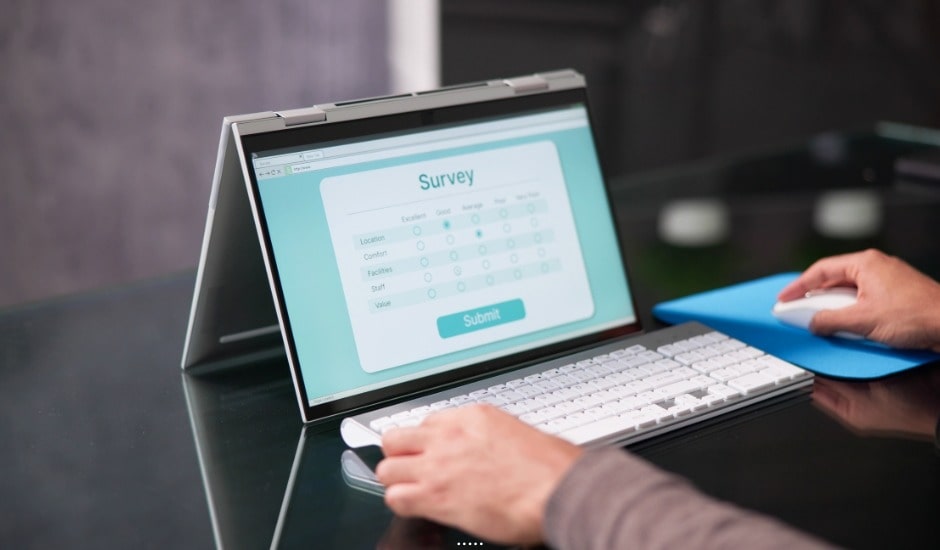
{"type": "Point", "coordinates": [438, 248]}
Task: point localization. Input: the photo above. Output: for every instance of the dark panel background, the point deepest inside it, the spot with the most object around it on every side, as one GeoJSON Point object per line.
{"type": "Point", "coordinates": [679, 80]}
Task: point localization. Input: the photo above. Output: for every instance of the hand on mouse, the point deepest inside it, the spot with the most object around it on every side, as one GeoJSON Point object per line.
{"type": "Point", "coordinates": [897, 305]}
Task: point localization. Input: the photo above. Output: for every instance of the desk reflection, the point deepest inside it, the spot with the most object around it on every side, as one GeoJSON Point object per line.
{"type": "Point", "coordinates": [904, 406]}
{"type": "Point", "coordinates": [244, 424]}
{"type": "Point", "coordinates": [272, 482]}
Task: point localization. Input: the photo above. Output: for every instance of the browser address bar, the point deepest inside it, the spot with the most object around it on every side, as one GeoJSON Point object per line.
{"type": "Point", "coordinates": [436, 140]}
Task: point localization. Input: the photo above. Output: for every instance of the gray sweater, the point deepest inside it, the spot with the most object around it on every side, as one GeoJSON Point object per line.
{"type": "Point", "coordinates": [611, 499]}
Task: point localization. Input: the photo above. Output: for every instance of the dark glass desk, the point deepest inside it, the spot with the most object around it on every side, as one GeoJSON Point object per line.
{"type": "Point", "coordinates": [107, 444]}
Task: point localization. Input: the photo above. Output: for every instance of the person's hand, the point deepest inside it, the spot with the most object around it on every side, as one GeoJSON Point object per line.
{"type": "Point", "coordinates": [906, 405]}
{"type": "Point", "coordinates": [897, 305]}
{"type": "Point", "coordinates": [476, 468]}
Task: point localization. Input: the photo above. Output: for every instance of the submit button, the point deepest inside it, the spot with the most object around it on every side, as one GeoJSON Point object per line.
{"type": "Point", "coordinates": [480, 318]}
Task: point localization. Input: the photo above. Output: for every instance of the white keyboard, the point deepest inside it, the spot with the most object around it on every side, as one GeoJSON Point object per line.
{"type": "Point", "coordinates": [626, 393]}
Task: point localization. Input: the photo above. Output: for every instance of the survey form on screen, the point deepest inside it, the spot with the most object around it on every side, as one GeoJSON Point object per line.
{"type": "Point", "coordinates": [451, 253]}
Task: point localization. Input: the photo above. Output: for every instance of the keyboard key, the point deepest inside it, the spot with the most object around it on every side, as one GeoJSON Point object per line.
{"type": "Point", "coordinates": [577, 419]}
{"type": "Point", "coordinates": [567, 407]}
{"type": "Point", "coordinates": [680, 409]}
{"type": "Point", "coordinates": [596, 430]}
{"type": "Point", "coordinates": [587, 401]}
{"type": "Point", "coordinates": [583, 375]}
{"type": "Point", "coordinates": [668, 350]}
{"type": "Point", "coordinates": [554, 411]}
{"type": "Point", "coordinates": [533, 418]}
{"type": "Point", "coordinates": [662, 365]}
{"type": "Point", "coordinates": [516, 408]}
{"type": "Point", "coordinates": [751, 382]}
{"type": "Point", "coordinates": [583, 389]}
{"type": "Point", "coordinates": [602, 383]}
{"type": "Point", "coordinates": [565, 380]}
{"type": "Point", "coordinates": [725, 374]}
{"type": "Point", "coordinates": [548, 399]}
{"type": "Point", "coordinates": [665, 378]}
{"type": "Point", "coordinates": [494, 400]}
{"type": "Point", "coordinates": [606, 395]}
{"type": "Point", "coordinates": [553, 426]}
{"type": "Point", "coordinates": [686, 398]}
{"type": "Point", "coordinates": [529, 391]}
{"type": "Point", "coordinates": [460, 400]}
{"type": "Point", "coordinates": [782, 371]}
{"type": "Point", "coordinates": [620, 377]}
{"type": "Point", "coordinates": [596, 413]}
{"type": "Point", "coordinates": [600, 369]}
{"type": "Point", "coordinates": [648, 396]}
{"type": "Point", "coordinates": [685, 386]}
{"type": "Point", "coordinates": [689, 357]}
{"type": "Point", "coordinates": [635, 361]}
{"type": "Point", "coordinates": [380, 423]}
{"type": "Point", "coordinates": [639, 419]}
{"type": "Point", "coordinates": [548, 385]}
{"type": "Point", "coordinates": [723, 390]}
{"type": "Point", "coordinates": [410, 421]}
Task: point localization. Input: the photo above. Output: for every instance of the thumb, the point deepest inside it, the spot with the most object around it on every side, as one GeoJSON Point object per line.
{"type": "Point", "coordinates": [849, 319]}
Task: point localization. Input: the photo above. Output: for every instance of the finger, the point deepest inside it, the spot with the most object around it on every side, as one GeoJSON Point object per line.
{"type": "Point", "coordinates": [848, 319]}
{"type": "Point", "coordinates": [825, 273]}
{"type": "Point", "coordinates": [405, 499]}
{"type": "Point", "coordinates": [404, 441]}
{"type": "Point", "coordinates": [827, 397]}
{"type": "Point", "coordinates": [392, 471]}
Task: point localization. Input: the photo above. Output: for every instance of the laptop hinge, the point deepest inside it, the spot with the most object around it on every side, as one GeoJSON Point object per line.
{"type": "Point", "coordinates": [306, 115]}
{"type": "Point", "coordinates": [526, 84]}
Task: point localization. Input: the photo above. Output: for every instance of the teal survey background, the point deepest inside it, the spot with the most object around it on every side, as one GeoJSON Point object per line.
{"type": "Point", "coordinates": [313, 292]}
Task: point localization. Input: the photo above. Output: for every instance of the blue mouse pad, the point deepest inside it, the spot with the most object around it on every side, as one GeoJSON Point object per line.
{"type": "Point", "coordinates": [743, 311]}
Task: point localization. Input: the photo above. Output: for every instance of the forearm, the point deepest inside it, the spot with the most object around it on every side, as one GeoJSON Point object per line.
{"type": "Point", "coordinates": [610, 499]}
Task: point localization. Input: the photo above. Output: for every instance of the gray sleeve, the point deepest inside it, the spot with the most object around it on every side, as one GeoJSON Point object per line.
{"type": "Point", "coordinates": [611, 499]}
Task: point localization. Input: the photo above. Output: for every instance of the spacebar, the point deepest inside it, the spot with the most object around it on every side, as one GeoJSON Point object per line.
{"type": "Point", "coordinates": [598, 429]}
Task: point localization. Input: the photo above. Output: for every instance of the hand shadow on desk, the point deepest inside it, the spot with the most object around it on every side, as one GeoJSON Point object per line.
{"type": "Point", "coordinates": [421, 534]}
{"type": "Point", "coordinates": [904, 406]}
{"type": "Point", "coordinates": [408, 533]}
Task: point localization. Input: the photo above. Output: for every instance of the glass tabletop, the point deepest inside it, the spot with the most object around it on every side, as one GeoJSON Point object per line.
{"type": "Point", "coordinates": [108, 444]}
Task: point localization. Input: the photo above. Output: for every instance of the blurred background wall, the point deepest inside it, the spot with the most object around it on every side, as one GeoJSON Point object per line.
{"type": "Point", "coordinates": [110, 113]}
{"type": "Point", "coordinates": [111, 110]}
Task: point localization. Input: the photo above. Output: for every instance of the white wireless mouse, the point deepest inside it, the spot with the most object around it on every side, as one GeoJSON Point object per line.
{"type": "Point", "coordinates": [799, 312]}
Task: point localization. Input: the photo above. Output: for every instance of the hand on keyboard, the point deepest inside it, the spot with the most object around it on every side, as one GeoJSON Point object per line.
{"type": "Point", "coordinates": [439, 470]}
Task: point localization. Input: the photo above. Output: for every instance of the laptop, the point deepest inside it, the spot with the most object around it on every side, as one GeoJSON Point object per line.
{"type": "Point", "coordinates": [422, 242]}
